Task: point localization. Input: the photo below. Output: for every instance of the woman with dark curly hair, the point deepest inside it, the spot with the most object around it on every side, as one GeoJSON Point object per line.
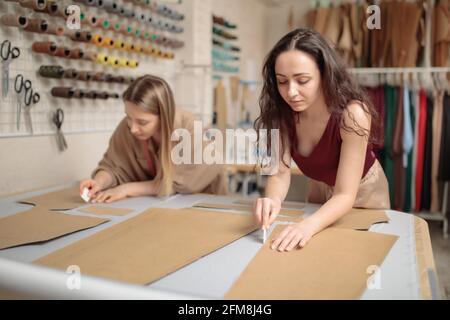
{"type": "Point", "coordinates": [327, 126]}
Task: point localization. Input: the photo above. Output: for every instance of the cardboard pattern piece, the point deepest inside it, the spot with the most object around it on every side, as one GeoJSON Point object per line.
{"type": "Point", "coordinates": [333, 265]}
{"type": "Point", "coordinates": [361, 219]}
{"type": "Point", "coordinates": [356, 219]}
{"type": "Point", "coordinates": [106, 211]}
{"type": "Point", "coordinates": [284, 205]}
{"type": "Point", "coordinates": [243, 208]}
{"type": "Point", "coordinates": [151, 245]}
{"type": "Point", "coordinates": [61, 200]}
{"type": "Point", "coordinates": [40, 224]}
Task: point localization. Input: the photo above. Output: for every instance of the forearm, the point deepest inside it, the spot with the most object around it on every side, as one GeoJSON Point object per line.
{"type": "Point", "coordinates": [145, 188]}
{"type": "Point", "coordinates": [277, 187]}
{"type": "Point", "coordinates": [103, 179]}
{"type": "Point", "coordinates": [331, 211]}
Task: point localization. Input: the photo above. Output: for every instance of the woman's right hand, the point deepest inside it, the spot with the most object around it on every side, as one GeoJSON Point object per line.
{"type": "Point", "coordinates": [266, 211]}
{"type": "Point", "coordinates": [93, 187]}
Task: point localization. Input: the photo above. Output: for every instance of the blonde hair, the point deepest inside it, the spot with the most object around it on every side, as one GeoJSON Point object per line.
{"type": "Point", "coordinates": [154, 95]}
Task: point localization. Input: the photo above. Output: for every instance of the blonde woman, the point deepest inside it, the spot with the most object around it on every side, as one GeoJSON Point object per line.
{"type": "Point", "coordinates": [138, 159]}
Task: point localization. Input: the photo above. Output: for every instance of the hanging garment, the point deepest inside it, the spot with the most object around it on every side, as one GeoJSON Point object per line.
{"type": "Point", "coordinates": [444, 159]}
{"type": "Point", "coordinates": [426, 189]}
{"type": "Point", "coordinates": [397, 151]}
{"type": "Point", "coordinates": [420, 149]}
{"type": "Point", "coordinates": [441, 33]}
{"type": "Point", "coordinates": [377, 97]}
{"type": "Point", "coordinates": [409, 118]}
{"type": "Point", "coordinates": [415, 98]}
{"type": "Point", "coordinates": [407, 127]}
{"type": "Point", "coordinates": [388, 162]}
{"type": "Point", "coordinates": [437, 130]}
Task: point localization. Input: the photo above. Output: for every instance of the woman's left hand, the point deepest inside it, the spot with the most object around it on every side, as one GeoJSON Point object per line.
{"type": "Point", "coordinates": [293, 236]}
{"type": "Point", "coordinates": [111, 195]}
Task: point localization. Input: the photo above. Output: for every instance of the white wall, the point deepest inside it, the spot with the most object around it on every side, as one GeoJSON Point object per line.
{"type": "Point", "coordinates": [35, 162]}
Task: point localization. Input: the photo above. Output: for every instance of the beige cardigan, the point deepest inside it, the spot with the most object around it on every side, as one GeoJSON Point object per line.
{"type": "Point", "coordinates": [125, 161]}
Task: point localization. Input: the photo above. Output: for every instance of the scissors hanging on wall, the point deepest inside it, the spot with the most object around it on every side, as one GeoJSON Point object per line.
{"type": "Point", "coordinates": [7, 53]}
{"type": "Point", "coordinates": [24, 88]}
{"type": "Point", "coordinates": [58, 120]}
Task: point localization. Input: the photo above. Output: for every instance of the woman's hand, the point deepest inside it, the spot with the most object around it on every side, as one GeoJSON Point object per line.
{"type": "Point", "coordinates": [266, 211]}
{"type": "Point", "coordinates": [111, 195]}
{"type": "Point", "coordinates": [92, 185]}
{"type": "Point", "coordinates": [293, 236]}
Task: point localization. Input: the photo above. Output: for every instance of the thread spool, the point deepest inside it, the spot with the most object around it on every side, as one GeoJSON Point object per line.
{"type": "Point", "coordinates": [108, 77]}
{"type": "Point", "coordinates": [47, 47]}
{"type": "Point", "coordinates": [92, 94]}
{"type": "Point", "coordinates": [92, 20]}
{"type": "Point", "coordinates": [129, 13]}
{"type": "Point", "coordinates": [121, 11]}
{"type": "Point", "coordinates": [119, 44]}
{"type": "Point", "coordinates": [129, 80]}
{"type": "Point", "coordinates": [61, 12]}
{"type": "Point", "coordinates": [63, 92]}
{"type": "Point", "coordinates": [50, 8]}
{"type": "Point", "coordinates": [118, 79]}
{"type": "Point", "coordinates": [116, 26]}
{"type": "Point", "coordinates": [133, 64]}
{"type": "Point", "coordinates": [56, 72]}
{"type": "Point", "coordinates": [36, 25]}
{"type": "Point", "coordinates": [146, 35]}
{"type": "Point", "coordinates": [84, 76]}
{"type": "Point", "coordinates": [123, 62]}
{"type": "Point", "coordinates": [70, 73]}
{"type": "Point", "coordinates": [76, 53]}
{"type": "Point", "coordinates": [14, 20]}
{"type": "Point", "coordinates": [101, 58]}
{"type": "Point", "coordinates": [62, 52]}
{"type": "Point", "coordinates": [33, 4]}
{"type": "Point", "coordinates": [108, 42]}
{"type": "Point", "coordinates": [99, 76]}
{"type": "Point", "coordinates": [97, 39]}
{"type": "Point", "coordinates": [78, 93]}
{"type": "Point", "coordinates": [89, 56]}
{"type": "Point", "coordinates": [112, 61]}
{"type": "Point", "coordinates": [128, 30]}
{"type": "Point", "coordinates": [104, 23]}
{"type": "Point", "coordinates": [81, 36]}
{"type": "Point", "coordinates": [103, 95]}
{"type": "Point", "coordinates": [138, 48]}
{"type": "Point", "coordinates": [55, 30]}
{"type": "Point", "coordinates": [142, 17]}
{"type": "Point", "coordinates": [110, 6]}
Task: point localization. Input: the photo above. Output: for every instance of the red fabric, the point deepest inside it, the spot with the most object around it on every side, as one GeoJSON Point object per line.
{"type": "Point", "coordinates": [322, 164]}
{"type": "Point", "coordinates": [421, 148]}
{"type": "Point", "coordinates": [151, 168]}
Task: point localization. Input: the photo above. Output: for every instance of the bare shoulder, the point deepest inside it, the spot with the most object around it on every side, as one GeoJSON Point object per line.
{"type": "Point", "coordinates": [356, 116]}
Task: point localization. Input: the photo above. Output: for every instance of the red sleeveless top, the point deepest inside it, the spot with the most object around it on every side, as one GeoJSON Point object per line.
{"type": "Point", "coordinates": [322, 164]}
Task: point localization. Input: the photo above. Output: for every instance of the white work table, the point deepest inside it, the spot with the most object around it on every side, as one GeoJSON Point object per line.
{"type": "Point", "coordinates": [408, 272]}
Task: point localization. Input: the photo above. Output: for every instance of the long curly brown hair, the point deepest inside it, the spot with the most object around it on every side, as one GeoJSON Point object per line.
{"type": "Point", "coordinates": [338, 88]}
